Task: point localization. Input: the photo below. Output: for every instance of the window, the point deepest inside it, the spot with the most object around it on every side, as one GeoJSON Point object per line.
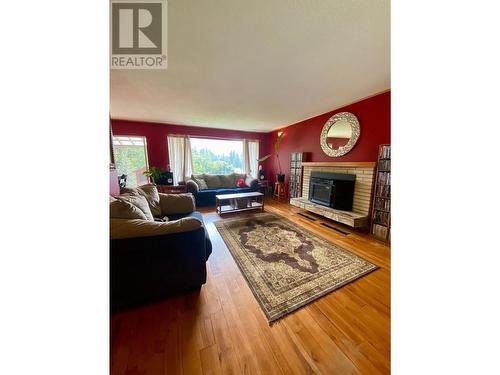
{"type": "Point", "coordinates": [217, 156]}
{"type": "Point", "coordinates": [131, 158]}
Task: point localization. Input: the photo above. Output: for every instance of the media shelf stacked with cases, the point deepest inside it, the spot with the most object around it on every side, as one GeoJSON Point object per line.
{"type": "Point", "coordinates": [296, 159]}
{"type": "Point", "coordinates": [381, 211]}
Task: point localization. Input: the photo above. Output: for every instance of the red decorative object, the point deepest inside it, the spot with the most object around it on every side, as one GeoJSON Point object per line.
{"type": "Point", "coordinates": [241, 183]}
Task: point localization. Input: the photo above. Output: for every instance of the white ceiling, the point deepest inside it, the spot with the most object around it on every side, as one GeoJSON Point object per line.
{"type": "Point", "coordinates": [258, 65]}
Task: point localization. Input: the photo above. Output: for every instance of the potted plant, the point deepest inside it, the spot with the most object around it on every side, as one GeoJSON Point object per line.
{"type": "Point", "coordinates": [280, 177]}
{"type": "Point", "coordinates": [159, 176]}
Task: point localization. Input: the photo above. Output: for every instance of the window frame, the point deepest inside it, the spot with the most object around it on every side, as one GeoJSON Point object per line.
{"type": "Point", "coordinates": [131, 136]}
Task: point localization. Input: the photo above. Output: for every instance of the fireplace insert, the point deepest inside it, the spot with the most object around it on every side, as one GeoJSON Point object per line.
{"type": "Point", "coordinates": [334, 190]}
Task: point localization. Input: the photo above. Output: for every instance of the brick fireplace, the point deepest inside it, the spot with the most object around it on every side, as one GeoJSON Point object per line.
{"type": "Point", "coordinates": [363, 190]}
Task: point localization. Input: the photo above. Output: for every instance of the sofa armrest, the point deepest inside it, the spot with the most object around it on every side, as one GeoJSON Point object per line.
{"type": "Point", "coordinates": [132, 228]}
{"type": "Point", "coordinates": [177, 203]}
{"type": "Point", "coordinates": [192, 186]}
{"type": "Point", "coordinates": [254, 183]}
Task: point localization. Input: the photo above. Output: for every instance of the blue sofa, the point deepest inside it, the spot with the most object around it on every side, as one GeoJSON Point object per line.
{"type": "Point", "coordinates": [204, 193]}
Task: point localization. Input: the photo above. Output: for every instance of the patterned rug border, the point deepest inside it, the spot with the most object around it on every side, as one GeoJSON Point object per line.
{"type": "Point", "coordinates": [219, 225]}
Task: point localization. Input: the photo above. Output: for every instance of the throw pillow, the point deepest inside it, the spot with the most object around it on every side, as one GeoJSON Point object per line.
{"type": "Point", "coordinates": [150, 192]}
{"type": "Point", "coordinates": [213, 181]}
{"type": "Point", "coordinates": [241, 183]}
{"type": "Point", "coordinates": [237, 177]}
{"type": "Point", "coordinates": [138, 201]}
{"type": "Point", "coordinates": [227, 181]}
{"type": "Point", "coordinates": [202, 185]}
{"type": "Point", "coordinates": [177, 203]}
{"type": "Point", "coordinates": [119, 209]}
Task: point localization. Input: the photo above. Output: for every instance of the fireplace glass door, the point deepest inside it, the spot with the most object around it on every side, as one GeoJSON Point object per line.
{"type": "Point", "coordinates": [321, 191]}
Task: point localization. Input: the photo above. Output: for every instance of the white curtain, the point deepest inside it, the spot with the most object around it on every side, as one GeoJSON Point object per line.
{"type": "Point", "coordinates": [179, 153]}
{"type": "Point", "coordinates": [188, 158]}
{"type": "Point", "coordinates": [246, 157]}
{"type": "Point", "coordinates": [250, 157]}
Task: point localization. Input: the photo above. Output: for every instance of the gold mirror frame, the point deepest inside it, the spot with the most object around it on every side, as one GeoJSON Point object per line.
{"type": "Point", "coordinates": [356, 131]}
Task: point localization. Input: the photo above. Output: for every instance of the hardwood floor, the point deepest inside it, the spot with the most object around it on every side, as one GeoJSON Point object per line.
{"type": "Point", "coordinates": [222, 330]}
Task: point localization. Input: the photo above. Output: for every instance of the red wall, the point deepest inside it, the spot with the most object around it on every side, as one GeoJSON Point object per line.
{"type": "Point", "coordinates": [374, 115]}
{"type": "Point", "coordinates": [156, 137]}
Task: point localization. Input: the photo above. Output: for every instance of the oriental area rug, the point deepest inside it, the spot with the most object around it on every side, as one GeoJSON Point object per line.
{"type": "Point", "coordinates": [285, 265]}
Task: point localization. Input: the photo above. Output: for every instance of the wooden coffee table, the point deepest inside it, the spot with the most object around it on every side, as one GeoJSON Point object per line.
{"type": "Point", "coordinates": [226, 203]}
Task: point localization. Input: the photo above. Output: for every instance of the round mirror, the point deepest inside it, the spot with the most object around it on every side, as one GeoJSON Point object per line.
{"type": "Point", "coordinates": [340, 134]}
